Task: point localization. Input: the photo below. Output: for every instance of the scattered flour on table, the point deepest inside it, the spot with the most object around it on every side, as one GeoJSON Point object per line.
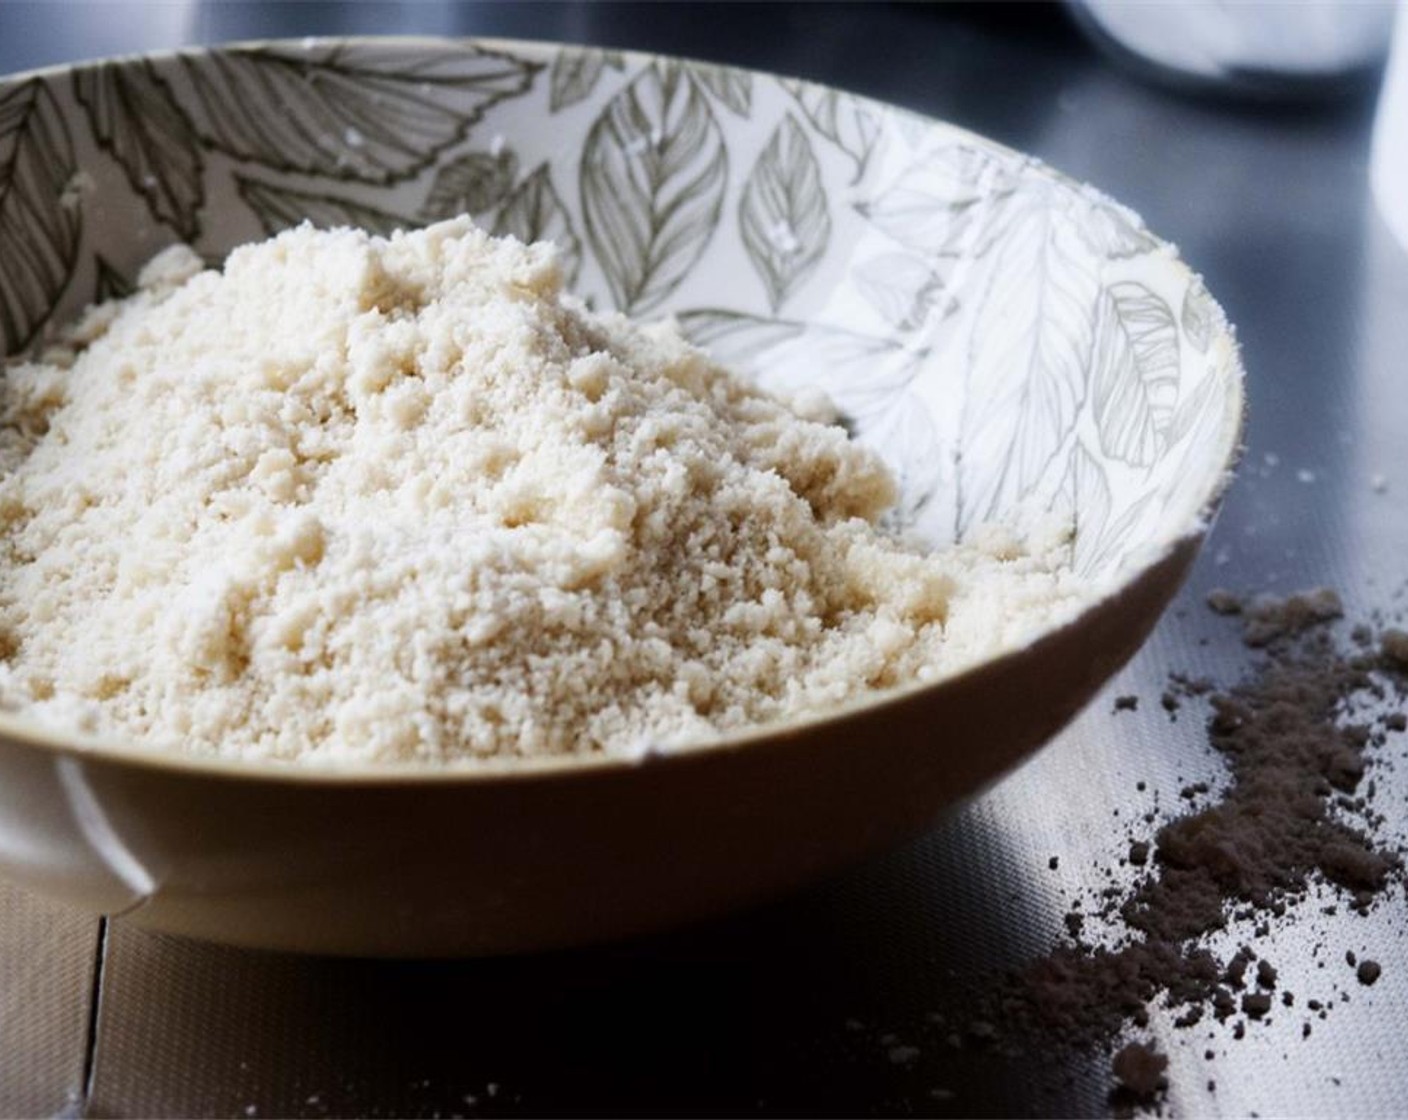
{"type": "Point", "coordinates": [361, 499]}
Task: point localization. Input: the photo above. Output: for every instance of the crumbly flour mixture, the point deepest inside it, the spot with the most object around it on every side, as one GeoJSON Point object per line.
{"type": "Point", "coordinates": [354, 499]}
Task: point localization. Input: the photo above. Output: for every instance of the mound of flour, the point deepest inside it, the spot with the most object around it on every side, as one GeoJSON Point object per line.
{"type": "Point", "coordinates": [355, 499]}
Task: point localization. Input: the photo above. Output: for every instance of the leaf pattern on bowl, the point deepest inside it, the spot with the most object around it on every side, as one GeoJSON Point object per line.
{"type": "Point", "coordinates": [653, 172]}
{"type": "Point", "coordinates": [134, 116]}
{"type": "Point", "coordinates": [905, 289]}
{"type": "Point", "coordinates": [1113, 233]}
{"type": "Point", "coordinates": [535, 212]}
{"type": "Point", "coordinates": [39, 210]}
{"type": "Point", "coordinates": [348, 112]}
{"type": "Point", "coordinates": [279, 208]}
{"type": "Point", "coordinates": [852, 124]}
{"type": "Point", "coordinates": [111, 283]}
{"type": "Point", "coordinates": [783, 215]}
{"type": "Point", "coordinates": [1085, 495]}
{"type": "Point", "coordinates": [1195, 425]}
{"type": "Point", "coordinates": [1135, 372]}
{"type": "Point", "coordinates": [575, 73]}
{"type": "Point", "coordinates": [1008, 339]}
{"type": "Point", "coordinates": [472, 184]}
{"type": "Point", "coordinates": [1198, 316]}
{"type": "Point", "coordinates": [949, 202]}
{"type": "Point", "coordinates": [733, 88]}
{"type": "Point", "coordinates": [1029, 361]}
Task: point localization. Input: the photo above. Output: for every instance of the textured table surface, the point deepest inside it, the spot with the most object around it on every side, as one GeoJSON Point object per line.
{"type": "Point", "coordinates": [822, 1003]}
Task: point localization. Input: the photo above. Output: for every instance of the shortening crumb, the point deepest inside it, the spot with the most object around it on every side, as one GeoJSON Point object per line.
{"type": "Point", "coordinates": [358, 499]}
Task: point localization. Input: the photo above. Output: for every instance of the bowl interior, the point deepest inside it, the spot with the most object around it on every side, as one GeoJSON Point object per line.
{"type": "Point", "coordinates": [1011, 341]}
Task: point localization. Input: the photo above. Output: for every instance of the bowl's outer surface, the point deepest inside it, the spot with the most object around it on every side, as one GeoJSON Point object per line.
{"type": "Point", "coordinates": [1010, 341]}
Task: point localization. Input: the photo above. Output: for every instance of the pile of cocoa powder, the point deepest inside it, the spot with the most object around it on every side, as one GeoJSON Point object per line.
{"type": "Point", "coordinates": [1294, 816]}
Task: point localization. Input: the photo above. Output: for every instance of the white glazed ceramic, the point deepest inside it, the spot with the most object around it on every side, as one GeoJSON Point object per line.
{"type": "Point", "coordinates": [1011, 341]}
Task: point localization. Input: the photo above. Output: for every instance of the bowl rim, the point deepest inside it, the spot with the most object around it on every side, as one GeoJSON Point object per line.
{"type": "Point", "coordinates": [1224, 354]}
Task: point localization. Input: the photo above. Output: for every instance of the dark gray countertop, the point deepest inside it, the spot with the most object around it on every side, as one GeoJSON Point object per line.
{"type": "Point", "coordinates": [822, 1003]}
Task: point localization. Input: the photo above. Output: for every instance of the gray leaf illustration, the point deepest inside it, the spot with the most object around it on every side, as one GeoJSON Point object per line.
{"type": "Point", "coordinates": [575, 73]}
{"type": "Point", "coordinates": [739, 338]}
{"type": "Point", "coordinates": [903, 289]}
{"type": "Point", "coordinates": [844, 119]}
{"type": "Point", "coordinates": [279, 208]}
{"type": "Point", "coordinates": [1196, 423]}
{"type": "Point", "coordinates": [471, 184]}
{"type": "Point", "coordinates": [343, 111]}
{"type": "Point", "coordinates": [39, 217]}
{"type": "Point", "coordinates": [783, 215]}
{"type": "Point", "coordinates": [111, 283]}
{"type": "Point", "coordinates": [1135, 374]}
{"type": "Point", "coordinates": [904, 435]}
{"type": "Point", "coordinates": [734, 337]}
{"type": "Point", "coordinates": [1031, 347]}
{"type": "Point", "coordinates": [534, 212]}
{"type": "Point", "coordinates": [1085, 495]}
{"type": "Point", "coordinates": [1193, 411]}
{"type": "Point", "coordinates": [653, 174]}
{"type": "Point", "coordinates": [135, 117]}
{"type": "Point", "coordinates": [950, 202]}
{"type": "Point", "coordinates": [1199, 314]}
{"type": "Point", "coordinates": [1111, 231]}
{"type": "Point", "coordinates": [1099, 553]}
{"type": "Point", "coordinates": [862, 373]}
{"type": "Point", "coordinates": [733, 87]}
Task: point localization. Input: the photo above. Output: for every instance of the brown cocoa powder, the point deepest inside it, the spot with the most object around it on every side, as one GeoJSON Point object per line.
{"type": "Point", "coordinates": [1289, 818]}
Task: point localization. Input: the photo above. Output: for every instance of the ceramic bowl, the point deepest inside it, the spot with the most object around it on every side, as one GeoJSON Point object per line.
{"type": "Point", "coordinates": [1010, 340]}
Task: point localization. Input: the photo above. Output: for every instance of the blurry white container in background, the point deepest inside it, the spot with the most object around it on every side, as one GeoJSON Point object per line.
{"type": "Point", "coordinates": [1389, 162]}
{"type": "Point", "coordinates": [1268, 48]}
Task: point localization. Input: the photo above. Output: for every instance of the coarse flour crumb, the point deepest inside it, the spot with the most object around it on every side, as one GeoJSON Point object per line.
{"type": "Point", "coordinates": [354, 499]}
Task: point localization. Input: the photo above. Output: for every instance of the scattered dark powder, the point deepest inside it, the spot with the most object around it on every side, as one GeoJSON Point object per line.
{"type": "Point", "coordinates": [1268, 618]}
{"type": "Point", "coordinates": [1141, 1075]}
{"type": "Point", "coordinates": [1266, 975]}
{"type": "Point", "coordinates": [1288, 818]}
{"type": "Point", "coordinates": [1224, 602]}
{"type": "Point", "coordinates": [1256, 1004]}
{"type": "Point", "coordinates": [1126, 703]}
{"type": "Point", "coordinates": [1393, 646]}
{"type": "Point", "coordinates": [1236, 973]}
